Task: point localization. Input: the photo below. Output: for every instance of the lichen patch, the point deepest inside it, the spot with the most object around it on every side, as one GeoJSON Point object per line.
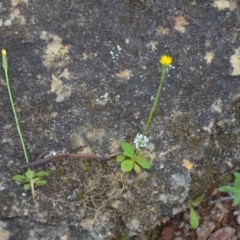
{"type": "Point", "coordinates": [15, 15]}
{"type": "Point", "coordinates": [209, 57]}
{"type": "Point", "coordinates": [125, 74]}
{"type": "Point", "coordinates": [103, 99]}
{"type": "Point", "coordinates": [207, 43]}
{"type": "Point", "coordinates": [85, 56]}
{"type": "Point", "coordinates": [62, 90]}
{"type": "Point", "coordinates": [65, 74]}
{"type": "Point", "coordinates": [217, 106]}
{"type": "Point", "coordinates": [52, 51]}
{"type": "Point", "coordinates": [235, 62]}
{"type": "Point", "coordinates": [14, 3]}
{"type": "Point", "coordinates": [236, 96]}
{"type": "Point", "coordinates": [180, 24]}
{"type": "Point", "coordinates": [87, 136]}
{"type": "Point", "coordinates": [56, 54]}
{"type": "Point", "coordinates": [187, 164]}
{"type": "Point", "coordinates": [4, 234]}
{"type": "Point", "coordinates": [225, 4]}
{"type": "Point", "coordinates": [161, 31]}
{"type": "Point", "coordinates": [208, 128]}
{"type": "Point", "coordinates": [153, 45]}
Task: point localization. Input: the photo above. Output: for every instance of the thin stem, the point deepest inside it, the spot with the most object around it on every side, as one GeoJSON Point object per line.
{"type": "Point", "coordinates": [42, 160]}
{"type": "Point", "coordinates": [162, 79]}
{"type": "Point", "coordinates": [5, 67]}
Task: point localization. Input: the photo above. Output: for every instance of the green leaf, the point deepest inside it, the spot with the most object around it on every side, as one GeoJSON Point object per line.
{"type": "Point", "coordinates": [143, 162]}
{"type": "Point", "coordinates": [120, 158]}
{"type": "Point", "coordinates": [41, 182]}
{"type": "Point", "coordinates": [127, 165]}
{"type": "Point", "coordinates": [139, 157]}
{"type": "Point", "coordinates": [19, 178]}
{"type": "Point", "coordinates": [128, 150]}
{"type": "Point", "coordinates": [194, 220]}
{"type": "Point", "coordinates": [197, 201]}
{"type": "Point", "coordinates": [234, 191]}
{"type": "Point", "coordinates": [236, 183]}
{"type": "Point", "coordinates": [27, 186]}
{"type": "Point", "coordinates": [228, 189]}
{"type": "Point", "coordinates": [136, 168]}
{"type": "Point", "coordinates": [41, 174]}
{"type": "Point", "coordinates": [236, 199]}
{"type": "Point", "coordinates": [33, 180]}
{"type": "Point", "coordinates": [29, 174]}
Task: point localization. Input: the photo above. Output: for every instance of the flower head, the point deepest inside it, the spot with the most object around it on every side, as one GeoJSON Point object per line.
{"type": "Point", "coordinates": [4, 53]}
{"type": "Point", "coordinates": [165, 60]}
{"type": "Point", "coordinates": [4, 59]}
{"type": "Point", "coordinates": [141, 141]}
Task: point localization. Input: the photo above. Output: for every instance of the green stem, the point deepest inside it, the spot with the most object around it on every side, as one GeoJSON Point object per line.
{"type": "Point", "coordinates": [5, 67]}
{"type": "Point", "coordinates": [162, 79]}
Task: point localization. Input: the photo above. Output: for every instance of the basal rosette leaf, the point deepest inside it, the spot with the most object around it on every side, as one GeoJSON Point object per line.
{"type": "Point", "coordinates": [120, 158]}
{"type": "Point", "coordinates": [127, 165]}
{"type": "Point", "coordinates": [143, 162]}
{"type": "Point", "coordinates": [128, 149]}
{"type": "Point", "coordinates": [136, 168]}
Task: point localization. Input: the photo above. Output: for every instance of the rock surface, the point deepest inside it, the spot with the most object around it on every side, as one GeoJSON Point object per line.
{"type": "Point", "coordinates": [83, 75]}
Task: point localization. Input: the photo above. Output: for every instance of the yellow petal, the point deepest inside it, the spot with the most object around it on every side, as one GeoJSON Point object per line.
{"type": "Point", "coordinates": [165, 60]}
{"type": "Point", "coordinates": [4, 52]}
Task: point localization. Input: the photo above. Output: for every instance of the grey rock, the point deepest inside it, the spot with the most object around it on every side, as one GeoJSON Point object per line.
{"type": "Point", "coordinates": [83, 75]}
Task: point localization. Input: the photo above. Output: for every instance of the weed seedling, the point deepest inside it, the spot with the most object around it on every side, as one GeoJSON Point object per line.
{"type": "Point", "coordinates": [130, 159]}
{"type": "Point", "coordinates": [234, 190]}
{"type": "Point", "coordinates": [30, 178]}
{"type": "Point", "coordinates": [193, 216]}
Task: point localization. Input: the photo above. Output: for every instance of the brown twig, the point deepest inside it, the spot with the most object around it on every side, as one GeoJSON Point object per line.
{"type": "Point", "coordinates": [59, 156]}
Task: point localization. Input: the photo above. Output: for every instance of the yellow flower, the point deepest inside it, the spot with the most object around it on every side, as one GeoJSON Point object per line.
{"type": "Point", "coordinates": [4, 60]}
{"type": "Point", "coordinates": [4, 53]}
{"type": "Point", "coordinates": [165, 60]}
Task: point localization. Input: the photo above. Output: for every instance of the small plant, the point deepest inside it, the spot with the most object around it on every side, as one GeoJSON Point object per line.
{"type": "Point", "coordinates": [234, 189]}
{"type": "Point", "coordinates": [130, 159]}
{"type": "Point", "coordinates": [193, 216]}
{"type": "Point", "coordinates": [30, 178]}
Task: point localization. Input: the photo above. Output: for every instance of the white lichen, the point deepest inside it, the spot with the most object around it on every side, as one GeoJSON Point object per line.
{"type": "Point", "coordinates": [102, 100]}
